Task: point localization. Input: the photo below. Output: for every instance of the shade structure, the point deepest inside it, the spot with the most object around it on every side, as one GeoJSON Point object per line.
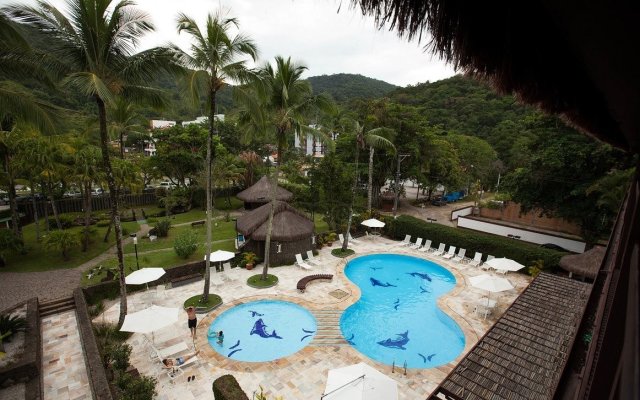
{"type": "Point", "coordinates": [373, 223]}
{"type": "Point", "coordinates": [491, 283]}
{"type": "Point", "coordinates": [504, 264]}
{"type": "Point", "coordinates": [150, 319]}
{"type": "Point", "coordinates": [359, 381]}
{"type": "Point", "coordinates": [144, 275]}
{"type": "Point", "coordinates": [220, 255]}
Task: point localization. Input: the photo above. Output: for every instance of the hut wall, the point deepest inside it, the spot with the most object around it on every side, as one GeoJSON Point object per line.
{"type": "Point", "coordinates": [288, 250]}
{"type": "Point", "coordinates": [251, 206]}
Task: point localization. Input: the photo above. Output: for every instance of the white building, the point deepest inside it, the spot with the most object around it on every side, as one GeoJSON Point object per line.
{"type": "Point", "coordinates": [311, 145]}
{"type": "Point", "coordinates": [161, 124]}
{"type": "Point", "coordinates": [204, 119]}
{"type": "Point", "coordinates": [150, 146]}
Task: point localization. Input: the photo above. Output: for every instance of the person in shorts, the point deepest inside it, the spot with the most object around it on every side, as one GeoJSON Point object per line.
{"type": "Point", "coordinates": [192, 321]}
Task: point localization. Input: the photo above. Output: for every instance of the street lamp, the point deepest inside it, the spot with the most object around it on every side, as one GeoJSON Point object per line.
{"type": "Point", "coordinates": [135, 246]}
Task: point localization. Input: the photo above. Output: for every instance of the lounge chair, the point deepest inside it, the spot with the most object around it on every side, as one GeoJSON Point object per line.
{"type": "Point", "coordinates": [178, 370]}
{"type": "Point", "coordinates": [450, 253]}
{"type": "Point", "coordinates": [486, 266]}
{"type": "Point", "coordinates": [477, 260]}
{"type": "Point", "coordinates": [440, 250]}
{"type": "Point", "coordinates": [460, 257]}
{"type": "Point", "coordinates": [226, 272]}
{"type": "Point", "coordinates": [354, 240]}
{"type": "Point", "coordinates": [311, 259]}
{"type": "Point", "coordinates": [426, 246]}
{"type": "Point", "coordinates": [166, 352]}
{"type": "Point", "coordinates": [215, 277]}
{"type": "Point", "coordinates": [417, 244]}
{"type": "Point", "coordinates": [406, 241]}
{"type": "Point", "coordinates": [485, 307]}
{"type": "Point", "coordinates": [300, 263]}
{"type": "Point", "coordinates": [341, 240]}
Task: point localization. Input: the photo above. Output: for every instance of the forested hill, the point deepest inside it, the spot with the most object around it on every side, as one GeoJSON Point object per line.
{"type": "Point", "coordinates": [344, 87]}
{"type": "Point", "coordinates": [461, 104]}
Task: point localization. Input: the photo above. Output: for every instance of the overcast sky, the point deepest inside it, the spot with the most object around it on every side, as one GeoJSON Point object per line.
{"type": "Point", "coordinates": [311, 31]}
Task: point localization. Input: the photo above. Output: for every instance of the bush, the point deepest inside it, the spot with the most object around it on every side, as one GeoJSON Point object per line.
{"type": "Point", "coordinates": [62, 241]}
{"type": "Point", "coordinates": [162, 228]}
{"type": "Point", "coordinates": [66, 221]}
{"type": "Point", "coordinates": [10, 325]}
{"type": "Point", "coordinates": [103, 223]}
{"type": "Point", "coordinates": [139, 388]}
{"type": "Point", "coordinates": [186, 244]}
{"type": "Point", "coordinates": [227, 388]}
{"type": "Point", "coordinates": [118, 355]}
{"type": "Point", "coordinates": [522, 252]}
{"type": "Point", "coordinates": [9, 242]}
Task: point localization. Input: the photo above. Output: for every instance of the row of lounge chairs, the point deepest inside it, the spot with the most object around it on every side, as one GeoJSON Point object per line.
{"type": "Point", "coordinates": [310, 263]}
{"type": "Point", "coordinates": [449, 254]}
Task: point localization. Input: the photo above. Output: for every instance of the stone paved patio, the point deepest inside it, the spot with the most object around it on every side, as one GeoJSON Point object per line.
{"type": "Point", "coordinates": [302, 375]}
{"type": "Point", "coordinates": [63, 368]}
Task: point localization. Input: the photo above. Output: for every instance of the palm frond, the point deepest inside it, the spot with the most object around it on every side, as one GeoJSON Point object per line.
{"type": "Point", "coordinates": [17, 102]}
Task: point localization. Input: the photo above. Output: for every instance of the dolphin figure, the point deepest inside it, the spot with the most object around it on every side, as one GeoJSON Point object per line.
{"type": "Point", "coordinates": [350, 340]}
{"type": "Point", "coordinates": [424, 359]}
{"type": "Point", "coordinates": [259, 329]}
{"type": "Point", "coordinates": [397, 301]}
{"type": "Point", "coordinates": [396, 306]}
{"type": "Point", "coordinates": [420, 275]}
{"type": "Point", "coordinates": [430, 356]}
{"type": "Point", "coordinates": [423, 290]}
{"type": "Point", "coordinates": [304, 337]}
{"type": "Point", "coordinates": [398, 342]}
{"type": "Point", "coordinates": [375, 282]}
{"type": "Point", "coordinates": [235, 345]}
{"type": "Point", "coordinates": [307, 331]}
{"type": "Point", "coordinates": [255, 313]}
{"type": "Point", "coordinates": [375, 268]}
{"type": "Point", "coordinates": [233, 352]}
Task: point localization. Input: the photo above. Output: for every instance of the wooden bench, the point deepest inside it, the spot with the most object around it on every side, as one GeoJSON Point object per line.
{"type": "Point", "coordinates": [196, 223]}
{"type": "Point", "coordinates": [302, 283]}
{"type": "Point", "coordinates": [185, 280]}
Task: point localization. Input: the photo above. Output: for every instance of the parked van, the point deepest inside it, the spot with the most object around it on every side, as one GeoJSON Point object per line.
{"type": "Point", "coordinates": [97, 192]}
{"type": "Point", "coordinates": [167, 185]}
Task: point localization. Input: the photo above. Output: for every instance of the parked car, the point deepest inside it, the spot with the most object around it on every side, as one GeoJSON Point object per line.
{"type": "Point", "coordinates": [72, 193]}
{"type": "Point", "coordinates": [439, 201]}
{"type": "Point", "coordinates": [97, 192]}
{"type": "Point", "coordinates": [167, 185]}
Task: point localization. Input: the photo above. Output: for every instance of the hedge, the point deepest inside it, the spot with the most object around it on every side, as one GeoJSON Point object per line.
{"type": "Point", "coordinates": [227, 388]}
{"type": "Point", "coordinates": [498, 246]}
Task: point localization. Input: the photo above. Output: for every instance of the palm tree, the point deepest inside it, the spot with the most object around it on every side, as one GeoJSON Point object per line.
{"type": "Point", "coordinates": [95, 40]}
{"type": "Point", "coordinates": [371, 138]}
{"type": "Point", "coordinates": [124, 121]}
{"type": "Point", "coordinates": [275, 106]}
{"type": "Point", "coordinates": [216, 58]}
{"type": "Point", "coordinates": [85, 172]}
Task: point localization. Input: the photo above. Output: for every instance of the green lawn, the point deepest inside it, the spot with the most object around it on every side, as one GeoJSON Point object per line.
{"type": "Point", "coordinates": [40, 259]}
{"type": "Point", "coordinates": [220, 230]}
{"type": "Point", "coordinates": [165, 258]}
{"type": "Point", "coordinates": [321, 225]}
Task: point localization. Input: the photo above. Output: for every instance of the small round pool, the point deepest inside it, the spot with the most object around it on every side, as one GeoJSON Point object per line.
{"type": "Point", "coordinates": [397, 318]}
{"type": "Point", "coordinates": [262, 330]}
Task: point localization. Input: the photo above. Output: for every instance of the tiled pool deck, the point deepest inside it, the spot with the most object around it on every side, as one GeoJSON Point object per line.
{"type": "Point", "coordinates": [304, 374]}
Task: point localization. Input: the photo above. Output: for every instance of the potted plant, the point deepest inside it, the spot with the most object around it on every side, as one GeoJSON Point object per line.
{"type": "Point", "coordinates": [330, 238]}
{"type": "Point", "coordinates": [249, 259]}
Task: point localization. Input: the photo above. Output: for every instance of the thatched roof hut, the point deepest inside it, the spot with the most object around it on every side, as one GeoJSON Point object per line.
{"type": "Point", "coordinates": [579, 61]}
{"type": "Point", "coordinates": [292, 231]}
{"type": "Point", "coordinates": [586, 264]}
{"type": "Point", "coordinates": [260, 193]}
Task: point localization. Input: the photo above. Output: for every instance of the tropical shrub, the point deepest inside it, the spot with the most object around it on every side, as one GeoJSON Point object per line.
{"type": "Point", "coordinates": [524, 253]}
{"type": "Point", "coordinates": [227, 388]}
{"type": "Point", "coordinates": [9, 326]}
{"type": "Point", "coordinates": [186, 244]}
{"type": "Point", "coordinates": [62, 241]}
{"type": "Point", "coordinates": [9, 242]}
{"type": "Point", "coordinates": [66, 221]}
{"type": "Point", "coordinates": [136, 388]}
{"type": "Point", "coordinates": [162, 228]}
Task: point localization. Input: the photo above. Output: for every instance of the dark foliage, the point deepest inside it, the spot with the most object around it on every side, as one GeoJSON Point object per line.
{"type": "Point", "coordinates": [344, 87]}
{"type": "Point", "coordinates": [227, 388]}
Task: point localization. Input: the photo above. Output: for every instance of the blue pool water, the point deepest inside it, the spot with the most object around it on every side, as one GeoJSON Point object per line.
{"type": "Point", "coordinates": [397, 318]}
{"type": "Point", "coordinates": [262, 330]}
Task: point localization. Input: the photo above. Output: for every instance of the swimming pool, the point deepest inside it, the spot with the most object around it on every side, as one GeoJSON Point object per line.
{"type": "Point", "coordinates": [262, 330]}
{"type": "Point", "coordinates": [397, 318]}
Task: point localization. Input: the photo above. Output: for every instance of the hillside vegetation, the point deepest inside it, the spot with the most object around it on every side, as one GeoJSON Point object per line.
{"type": "Point", "coordinates": [344, 87]}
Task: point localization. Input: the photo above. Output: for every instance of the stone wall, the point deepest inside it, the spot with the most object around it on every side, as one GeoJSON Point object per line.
{"type": "Point", "coordinates": [510, 212]}
{"type": "Point", "coordinates": [288, 250]}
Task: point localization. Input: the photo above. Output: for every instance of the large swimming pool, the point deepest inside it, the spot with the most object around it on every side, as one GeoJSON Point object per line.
{"type": "Point", "coordinates": [397, 318]}
{"type": "Point", "coordinates": [262, 330]}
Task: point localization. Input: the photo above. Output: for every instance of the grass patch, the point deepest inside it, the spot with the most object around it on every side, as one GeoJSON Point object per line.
{"type": "Point", "coordinates": [256, 281]}
{"type": "Point", "coordinates": [40, 259]}
{"type": "Point", "coordinates": [342, 253]}
{"type": "Point", "coordinates": [213, 301]}
{"type": "Point", "coordinates": [165, 258]}
{"type": "Point", "coordinates": [220, 203]}
{"type": "Point", "coordinates": [320, 223]}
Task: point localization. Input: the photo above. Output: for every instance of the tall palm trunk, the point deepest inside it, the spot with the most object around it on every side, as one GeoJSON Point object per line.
{"type": "Point", "coordinates": [86, 200]}
{"type": "Point", "coordinates": [53, 206]}
{"type": "Point", "coordinates": [207, 263]}
{"type": "Point", "coordinates": [370, 185]}
{"type": "Point", "coordinates": [46, 211]}
{"type": "Point", "coordinates": [13, 204]}
{"type": "Point", "coordinates": [274, 187]}
{"type": "Point", "coordinates": [113, 196]}
{"type": "Point", "coordinates": [345, 244]}
{"type": "Point", "coordinates": [35, 209]}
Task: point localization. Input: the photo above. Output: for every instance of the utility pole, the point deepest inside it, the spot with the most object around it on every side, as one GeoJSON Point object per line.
{"type": "Point", "coordinates": [401, 157]}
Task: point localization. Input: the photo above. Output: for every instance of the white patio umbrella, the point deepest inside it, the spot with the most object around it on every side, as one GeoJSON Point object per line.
{"type": "Point", "coordinates": [491, 283]}
{"type": "Point", "coordinates": [373, 223]}
{"type": "Point", "coordinates": [504, 264]}
{"type": "Point", "coordinates": [150, 319]}
{"type": "Point", "coordinates": [144, 275]}
{"type": "Point", "coordinates": [220, 256]}
{"type": "Point", "coordinates": [359, 381]}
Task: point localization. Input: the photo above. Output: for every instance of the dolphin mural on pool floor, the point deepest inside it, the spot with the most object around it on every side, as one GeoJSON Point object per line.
{"type": "Point", "coordinates": [375, 282]}
{"type": "Point", "coordinates": [307, 331]}
{"type": "Point", "coordinates": [423, 290]}
{"type": "Point", "coordinates": [350, 340]}
{"type": "Point", "coordinates": [255, 313]}
{"type": "Point", "coordinates": [398, 342]}
{"type": "Point", "coordinates": [304, 337]}
{"type": "Point", "coordinates": [233, 352]}
{"type": "Point", "coordinates": [420, 275]}
{"type": "Point", "coordinates": [235, 345]}
{"type": "Point", "coordinates": [259, 329]}
{"type": "Point", "coordinates": [375, 268]}
{"type": "Point", "coordinates": [396, 304]}
{"type": "Point", "coordinates": [430, 357]}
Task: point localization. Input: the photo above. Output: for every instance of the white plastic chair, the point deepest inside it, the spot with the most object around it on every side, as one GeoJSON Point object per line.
{"type": "Point", "coordinates": [311, 258]}
{"type": "Point", "coordinates": [417, 244]}
{"type": "Point", "coordinates": [406, 241]}
{"type": "Point", "coordinates": [426, 246]}
{"type": "Point", "coordinates": [477, 260]}
{"type": "Point", "coordinates": [300, 263]}
{"type": "Point", "coordinates": [354, 240]}
{"type": "Point", "coordinates": [440, 250]}
{"type": "Point", "coordinates": [460, 257]}
{"type": "Point", "coordinates": [486, 266]}
{"type": "Point", "coordinates": [215, 277]}
{"type": "Point", "coordinates": [450, 253]}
